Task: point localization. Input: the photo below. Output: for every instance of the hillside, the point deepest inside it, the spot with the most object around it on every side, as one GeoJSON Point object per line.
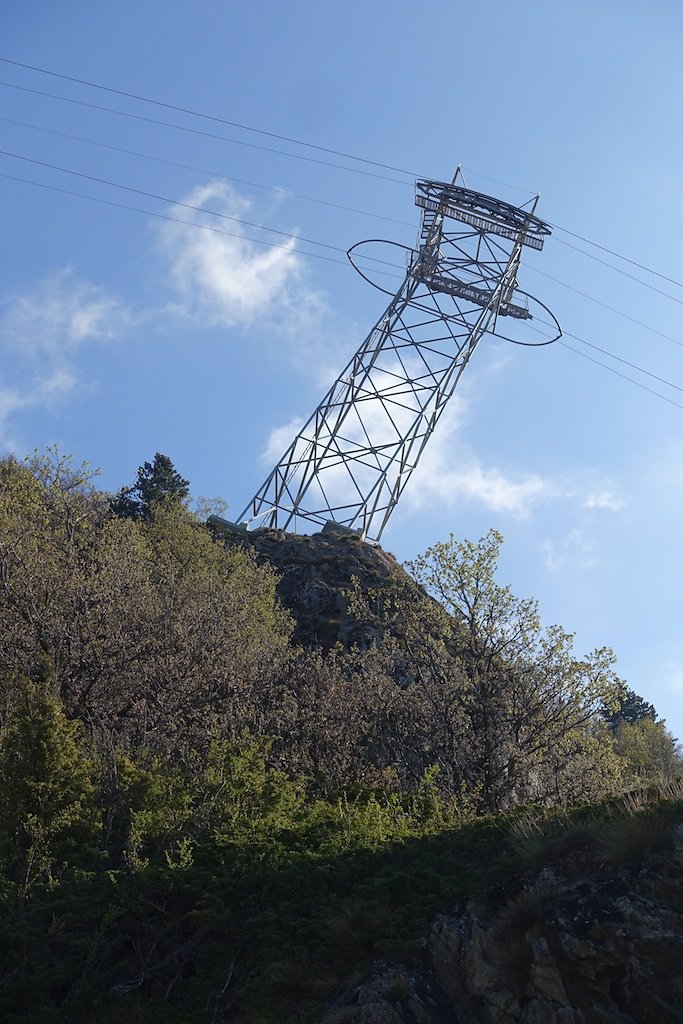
{"type": "Point", "coordinates": [595, 935]}
{"type": "Point", "coordinates": [239, 774]}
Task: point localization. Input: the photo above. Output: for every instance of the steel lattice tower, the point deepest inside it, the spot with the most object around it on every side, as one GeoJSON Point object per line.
{"type": "Point", "coordinates": [352, 459]}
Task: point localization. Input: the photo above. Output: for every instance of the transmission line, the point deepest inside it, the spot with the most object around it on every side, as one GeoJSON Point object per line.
{"type": "Point", "coordinates": [302, 197]}
{"type": "Point", "coordinates": [624, 273]}
{"type": "Point", "coordinates": [210, 117]}
{"type": "Point", "coordinates": [187, 206]}
{"type": "Point", "coordinates": [644, 387]}
{"type": "Point", "coordinates": [204, 170]}
{"type": "Point", "coordinates": [204, 134]}
{"type": "Point", "coordinates": [612, 309]}
{"type": "Point", "coordinates": [292, 141]}
{"type": "Point", "coordinates": [194, 224]}
{"type": "Point", "coordinates": [327, 259]}
{"type": "Point", "coordinates": [611, 252]}
{"type": "Point", "coordinates": [606, 352]}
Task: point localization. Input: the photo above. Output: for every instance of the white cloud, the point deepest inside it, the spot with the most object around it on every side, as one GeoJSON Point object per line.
{"type": "Point", "coordinates": [41, 332]}
{"type": "Point", "coordinates": [452, 472]}
{"type": "Point", "coordinates": [279, 440]}
{"type": "Point", "coordinates": [59, 315]}
{"type": "Point", "coordinates": [449, 472]}
{"type": "Point", "coordinates": [491, 488]}
{"type": "Point", "coordinates": [224, 278]}
{"type": "Point", "coordinates": [604, 500]}
{"type": "Point", "coordinates": [41, 391]}
{"type": "Point", "coordinates": [576, 551]}
{"type": "Point", "coordinates": [11, 400]}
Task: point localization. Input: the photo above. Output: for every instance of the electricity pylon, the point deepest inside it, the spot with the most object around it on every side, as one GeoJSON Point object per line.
{"type": "Point", "coordinates": [352, 459]}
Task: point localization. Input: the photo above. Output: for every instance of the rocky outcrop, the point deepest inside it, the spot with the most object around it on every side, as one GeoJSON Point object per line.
{"type": "Point", "coordinates": [316, 572]}
{"type": "Point", "coordinates": [602, 948]}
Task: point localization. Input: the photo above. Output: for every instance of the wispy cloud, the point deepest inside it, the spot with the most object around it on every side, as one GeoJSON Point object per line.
{"type": "Point", "coordinates": [449, 470]}
{"type": "Point", "coordinates": [574, 551]}
{"type": "Point", "coordinates": [61, 313]}
{"type": "Point", "coordinates": [41, 331]}
{"type": "Point", "coordinates": [452, 472]}
{"type": "Point", "coordinates": [279, 440]}
{"type": "Point", "coordinates": [225, 278]}
{"type": "Point", "coordinates": [604, 500]}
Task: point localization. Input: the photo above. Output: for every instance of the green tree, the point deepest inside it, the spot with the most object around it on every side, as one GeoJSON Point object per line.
{"type": "Point", "coordinates": [48, 813]}
{"type": "Point", "coordinates": [156, 482]}
{"type": "Point", "coordinates": [648, 750]}
{"type": "Point", "coordinates": [156, 633]}
{"type": "Point", "coordinates": [628, 707]}
{"type": "Point", "coordinates": [524, 690]}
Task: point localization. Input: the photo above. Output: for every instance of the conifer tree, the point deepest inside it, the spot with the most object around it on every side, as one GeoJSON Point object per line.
{"type": "Point", "coordinates": [156, 482]}
{"type": "Point", "coordinates": [48, 815]}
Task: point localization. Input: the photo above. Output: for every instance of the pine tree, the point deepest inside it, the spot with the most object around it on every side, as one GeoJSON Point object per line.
{"type": "Point", "coordinates": [156, 482]}
{"type": "Point", "coordinates": [48, 815]}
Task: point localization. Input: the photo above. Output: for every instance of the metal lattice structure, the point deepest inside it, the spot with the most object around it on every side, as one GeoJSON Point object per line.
{"type": "Point", "coordinates": [351, 461]}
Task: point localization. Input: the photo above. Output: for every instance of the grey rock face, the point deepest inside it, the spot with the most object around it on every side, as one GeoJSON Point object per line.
{"type": "Point", "coordinates": [604, 949]}
{"type": "Point", "coordinates": [316, 571]}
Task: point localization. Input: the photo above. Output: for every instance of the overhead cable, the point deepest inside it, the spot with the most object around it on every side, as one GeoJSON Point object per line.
{"type": "Point", "coordinates": [292, 141]}
{"type": "Point", "coordinates": [605, 305]}
{"type": "Point", "coordinates": [184, 205]}
{"type": "Point", "coordinates": [209, 117]}
{"type": "Point", "coordinates": [624, 273]}
{"type": "Point", "coordinates": [187, 223]}
{"type": "Point", "coordinates": [204, 134]}
{"type": "Point", "coordinates": [282, 192]}
{"type": "Point", "coordinates": [644, 387]}
{"type": "Point", "coordinates": [612, 252]}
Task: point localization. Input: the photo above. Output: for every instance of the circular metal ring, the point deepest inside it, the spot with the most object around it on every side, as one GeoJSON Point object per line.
{"type": "Point", "coordinates": [368, 241]}
{"type": "Point", "coordinates": [494, 333]}
{"type": "Point", "coordinates": [533, 344]}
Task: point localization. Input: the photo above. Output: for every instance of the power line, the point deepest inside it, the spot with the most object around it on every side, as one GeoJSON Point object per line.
{"type": "Point", "coordinates": [311, 199]}
{"type": "Point", "coordinates": [209, 117]}
{"type": "Point", "coordinates": [204, 134]}
{"type": "Point", "coordinates": [307, 241]}
{"type": "Point", "coordinates": [624, 273]}
{"type": "Point", "coordinates": [549, 277]}
{"type": "Point", "coordinates": [634, 366]}
{"type": "Point", "coordinates": [612, 252]}
{"type": "Point", "coordinates": [605, 305]}
{"type": "Point", "coordinates": [175, 220]}
{"type": "Point", "coordinates": [308, 255]}
{"type": "Point", "coordinates": [204, 170]}
{"type": "Point", "coordinates": [298, 142]}
{"type": "Point", "coordinates": [606, 352]}
{"type": "Point", "coordinates": [644, 387]}
{"type": "Point", "coordinates": [325, 245]}
{"type": "Point", "coordinates": [187, 206]}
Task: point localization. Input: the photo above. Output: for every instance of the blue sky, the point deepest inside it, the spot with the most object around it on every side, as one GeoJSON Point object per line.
{"type": "Point", "coordinates": [123, 333]}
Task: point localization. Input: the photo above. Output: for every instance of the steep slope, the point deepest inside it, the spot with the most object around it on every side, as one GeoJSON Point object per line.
{"type": "Point", "coordinates": [583, 942]}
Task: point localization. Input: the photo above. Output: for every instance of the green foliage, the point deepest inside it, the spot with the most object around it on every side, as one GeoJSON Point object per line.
{"type": "Point", "coordinates": [647, 750]}
{"type": "Point", "coordinates": [628, 707]}
{"type": "Point", "coordinates": [48, 817]}
{"type": "Point", "coordinates": [222, 883]}
{"type": "Point", "coordinates": [156, 633]}
{"type": "Point", "coordinates": [157, 482]}
{"type": "Point", "coordinates": [200, 822]}
{"type": "Point", "coordinates": [530, 704]}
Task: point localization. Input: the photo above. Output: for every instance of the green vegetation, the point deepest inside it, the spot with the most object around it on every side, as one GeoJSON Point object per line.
{"type": "Point", "coordinates": [200, 822]}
